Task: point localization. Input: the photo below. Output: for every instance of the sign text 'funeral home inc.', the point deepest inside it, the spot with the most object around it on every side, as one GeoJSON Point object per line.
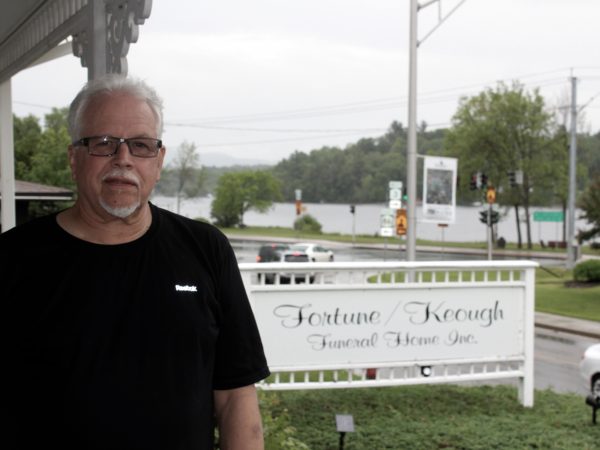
{"type": "Point", "coordinates": [356, 326]}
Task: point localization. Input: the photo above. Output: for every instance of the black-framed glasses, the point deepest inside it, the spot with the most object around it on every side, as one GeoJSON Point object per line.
{"type": "Point", "coordinates": [141, 147]}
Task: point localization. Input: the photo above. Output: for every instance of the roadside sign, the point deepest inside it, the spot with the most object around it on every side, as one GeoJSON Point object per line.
{"type": "Point", "coordinates": [439, 189]}
{"type": "Point", "coordinates": [395, 194]}
{"type": "Point", "coordinates": [491, 195]}
{"type": "Point", "coordinates": [386, 222]}
{"type": "Point", "coordinates": [401, 222]}
{"type": "Point", "coordinates": [548, 216]}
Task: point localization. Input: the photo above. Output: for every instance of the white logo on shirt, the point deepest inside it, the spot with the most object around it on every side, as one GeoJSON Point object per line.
{"type": "Point", "coordinates": [187, 288]}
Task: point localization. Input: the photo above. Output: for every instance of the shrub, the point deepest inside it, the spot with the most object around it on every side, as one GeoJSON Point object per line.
{"type": "Point", "coordinates": [587, 271]}
{"type": "Point", "coordinates": [307, 224]}
{"type": "Point", "coordinates": [278, 433]}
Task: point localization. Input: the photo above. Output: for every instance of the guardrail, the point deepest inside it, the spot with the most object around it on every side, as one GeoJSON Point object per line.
{"type": "Point", "coordinates": [395, 323]}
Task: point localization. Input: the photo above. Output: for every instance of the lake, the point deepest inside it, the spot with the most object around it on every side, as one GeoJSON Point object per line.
{"type": "Point", "coordinates": [336, 218]}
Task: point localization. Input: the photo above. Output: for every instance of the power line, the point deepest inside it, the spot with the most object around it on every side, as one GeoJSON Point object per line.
{"type": "Point", "coordinates": [273, 141]}
{"type": "Point", "coordinates": [33, 105]}
{"type": "Point", "coordinates": [354, 107]}
{"type": "Point", "coordinates": [363, 106]}
{"type": "Point", "coordinates": [274, 130]}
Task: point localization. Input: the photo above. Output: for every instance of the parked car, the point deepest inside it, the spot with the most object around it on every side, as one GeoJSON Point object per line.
{"type": "Point", "coordinates": [315, 252]}
{"type": "Point", "coordinates": [282, 253]}
{"type": "Point", "coordinates": [271, 252]}
{"type": "Point", "coordinates": [590, 369]}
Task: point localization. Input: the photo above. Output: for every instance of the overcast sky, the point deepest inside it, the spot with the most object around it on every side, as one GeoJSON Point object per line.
{"type": "Point", "coordinates": [260, 79]}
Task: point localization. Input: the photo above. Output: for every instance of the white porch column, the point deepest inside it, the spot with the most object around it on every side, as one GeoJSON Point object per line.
{"type": "Point", "coordinates": [97, 45]}
{"type": "Point", "coordinates": [7, 158]}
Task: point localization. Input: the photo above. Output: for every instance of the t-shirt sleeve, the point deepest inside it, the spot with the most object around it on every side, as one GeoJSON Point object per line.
{"type": "Point", "coordinates": [240, 358]}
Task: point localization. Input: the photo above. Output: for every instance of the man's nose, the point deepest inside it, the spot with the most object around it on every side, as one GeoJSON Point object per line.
{"type": "Point", "coordinates": [123, 156]}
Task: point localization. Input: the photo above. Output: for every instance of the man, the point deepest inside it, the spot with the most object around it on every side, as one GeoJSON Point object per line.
{"type": "Point", "coordinates": [126, 326]}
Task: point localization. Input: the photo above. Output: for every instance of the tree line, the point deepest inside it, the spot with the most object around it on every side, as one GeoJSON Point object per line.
{"type": "Point", "coordinates": [500, 131]}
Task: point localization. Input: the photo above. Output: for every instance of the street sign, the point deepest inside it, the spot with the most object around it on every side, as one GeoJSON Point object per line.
{"type": "Point", "coordinates": [548, 216]}
{"type": "Point", "coordinates": [395, 194]}
{"type": "Point", "coordinates": [491, 195]}
{"type": "Point", "coordinates": [387, 218]}
{"type": "Point", "coordinates": [401, 222]}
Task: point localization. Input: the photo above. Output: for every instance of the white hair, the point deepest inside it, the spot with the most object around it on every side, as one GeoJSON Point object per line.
{"type": "Point", "coordinates": [109, 84]}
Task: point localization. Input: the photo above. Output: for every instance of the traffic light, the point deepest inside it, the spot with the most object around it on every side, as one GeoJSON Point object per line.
{"type": "Point", "coordinates": [352, 209]}
{"type": "Point", "coordinates": [515, 177]}
{"type": "Point", "coordinates": [473, 183]}
{"type": "Point", "coordinates": [495, 217]}
{"type": "Point", "coordinates": [484, 180]}
{"type": "Point", "coordinates": [512, 178]}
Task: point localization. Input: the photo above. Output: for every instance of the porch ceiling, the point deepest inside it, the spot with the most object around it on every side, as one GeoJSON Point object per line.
{"type": "Point", "coordinates": [14, 14]}
{"type": "Point", "coordinates": [31, 28]}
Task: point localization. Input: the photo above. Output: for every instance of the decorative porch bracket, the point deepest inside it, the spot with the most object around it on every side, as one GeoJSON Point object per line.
{"type": "Point", "coordinates": [112, 25]}
{"type": "Point", "coordinates": [102, 31]}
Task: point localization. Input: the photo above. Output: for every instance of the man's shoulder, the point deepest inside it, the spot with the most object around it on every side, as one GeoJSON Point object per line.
{"type": "Point", "coordinates": [197, 227]}
{"type": "Point", "coordinates": [27, 243]}
{"type": "Point", "coordinates": [29, 232]}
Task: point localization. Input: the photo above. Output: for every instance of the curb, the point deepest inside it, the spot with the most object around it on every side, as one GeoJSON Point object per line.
{"type": "Point", "coordinates": [589, 334]}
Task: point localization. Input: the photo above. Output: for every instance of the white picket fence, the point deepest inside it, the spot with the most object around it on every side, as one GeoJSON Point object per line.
{"type": "Point", "coordinates": [395, 323]}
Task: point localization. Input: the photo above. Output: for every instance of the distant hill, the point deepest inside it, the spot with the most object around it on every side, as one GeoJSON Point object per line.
{"type": "Point", "coordinates": [206, 176]}
{"type": "Point", "coordinates": [217, 159]}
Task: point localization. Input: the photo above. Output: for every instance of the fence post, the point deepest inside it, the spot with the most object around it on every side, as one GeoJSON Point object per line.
{"type": "Point", "coordinates": [526, 387]}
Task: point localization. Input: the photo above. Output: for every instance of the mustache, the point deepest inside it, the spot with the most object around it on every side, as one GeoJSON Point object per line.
{"type": "Point", "coordinates": [123, 174]}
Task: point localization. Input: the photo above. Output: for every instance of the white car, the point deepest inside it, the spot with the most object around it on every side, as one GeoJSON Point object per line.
{"type": "Point", "coordinates": [315, 252]}
{"type": "Point", "coordinates": [590, 369]}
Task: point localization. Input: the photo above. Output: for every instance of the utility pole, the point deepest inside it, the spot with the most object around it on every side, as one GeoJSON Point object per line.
{"type": "Point", "coordinates": [489, 232]}
{"type": "Point", "coordinates": [411, 156]}
{"type": "Point", "coordinates": [572, 178]}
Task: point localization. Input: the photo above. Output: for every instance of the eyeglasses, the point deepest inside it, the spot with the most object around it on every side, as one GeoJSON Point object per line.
{"type": "Point", "coordinates": [108, 145]}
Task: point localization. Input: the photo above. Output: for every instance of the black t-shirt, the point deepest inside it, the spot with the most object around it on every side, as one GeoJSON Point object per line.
{"type": "Point", "coordinates": [121, 346]}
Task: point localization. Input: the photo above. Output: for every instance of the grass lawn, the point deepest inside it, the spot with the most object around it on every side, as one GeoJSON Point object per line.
{"type": "Point", "coordinates": [553, 296]}
{"type": "Point", "coordinates": [429, 417]}
{"type": "Point", "coordinates": [438, 416]}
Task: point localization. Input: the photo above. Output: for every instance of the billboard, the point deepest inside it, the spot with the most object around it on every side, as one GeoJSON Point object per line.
{"type": "Point", "coordinates": [439, 189]}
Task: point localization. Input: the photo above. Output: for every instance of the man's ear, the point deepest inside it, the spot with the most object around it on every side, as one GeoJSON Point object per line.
{"type": "Point", "coordinates": [72, 162]}
{"type": "Point", "coordinates": [161, 160]}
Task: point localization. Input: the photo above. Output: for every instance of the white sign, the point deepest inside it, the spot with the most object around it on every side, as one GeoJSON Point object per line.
{"type": "Point", "coordinates": [340, 327]}
{"type": "Point", "coordinates": [439, 189]}
{"type": "Point", "coordinates": [387, 222]}
{"type": "Point", "coordinates": [395, 201]}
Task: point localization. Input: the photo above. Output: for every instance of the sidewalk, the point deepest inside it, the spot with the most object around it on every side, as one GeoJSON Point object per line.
{"type": "Point", "coordinates": [580, 327]}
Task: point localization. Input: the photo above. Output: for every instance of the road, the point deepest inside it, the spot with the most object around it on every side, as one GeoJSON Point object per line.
{"type": "Point", "coordinates": [557, 354]}
{"type": "Point", "coordinates": [557, 357]}
{"type": "Point", "coordinates": [246, 251]}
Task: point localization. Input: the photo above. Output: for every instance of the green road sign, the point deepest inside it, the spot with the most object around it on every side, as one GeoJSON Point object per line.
{"type": "Point", "coordinates": [548, 216]}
